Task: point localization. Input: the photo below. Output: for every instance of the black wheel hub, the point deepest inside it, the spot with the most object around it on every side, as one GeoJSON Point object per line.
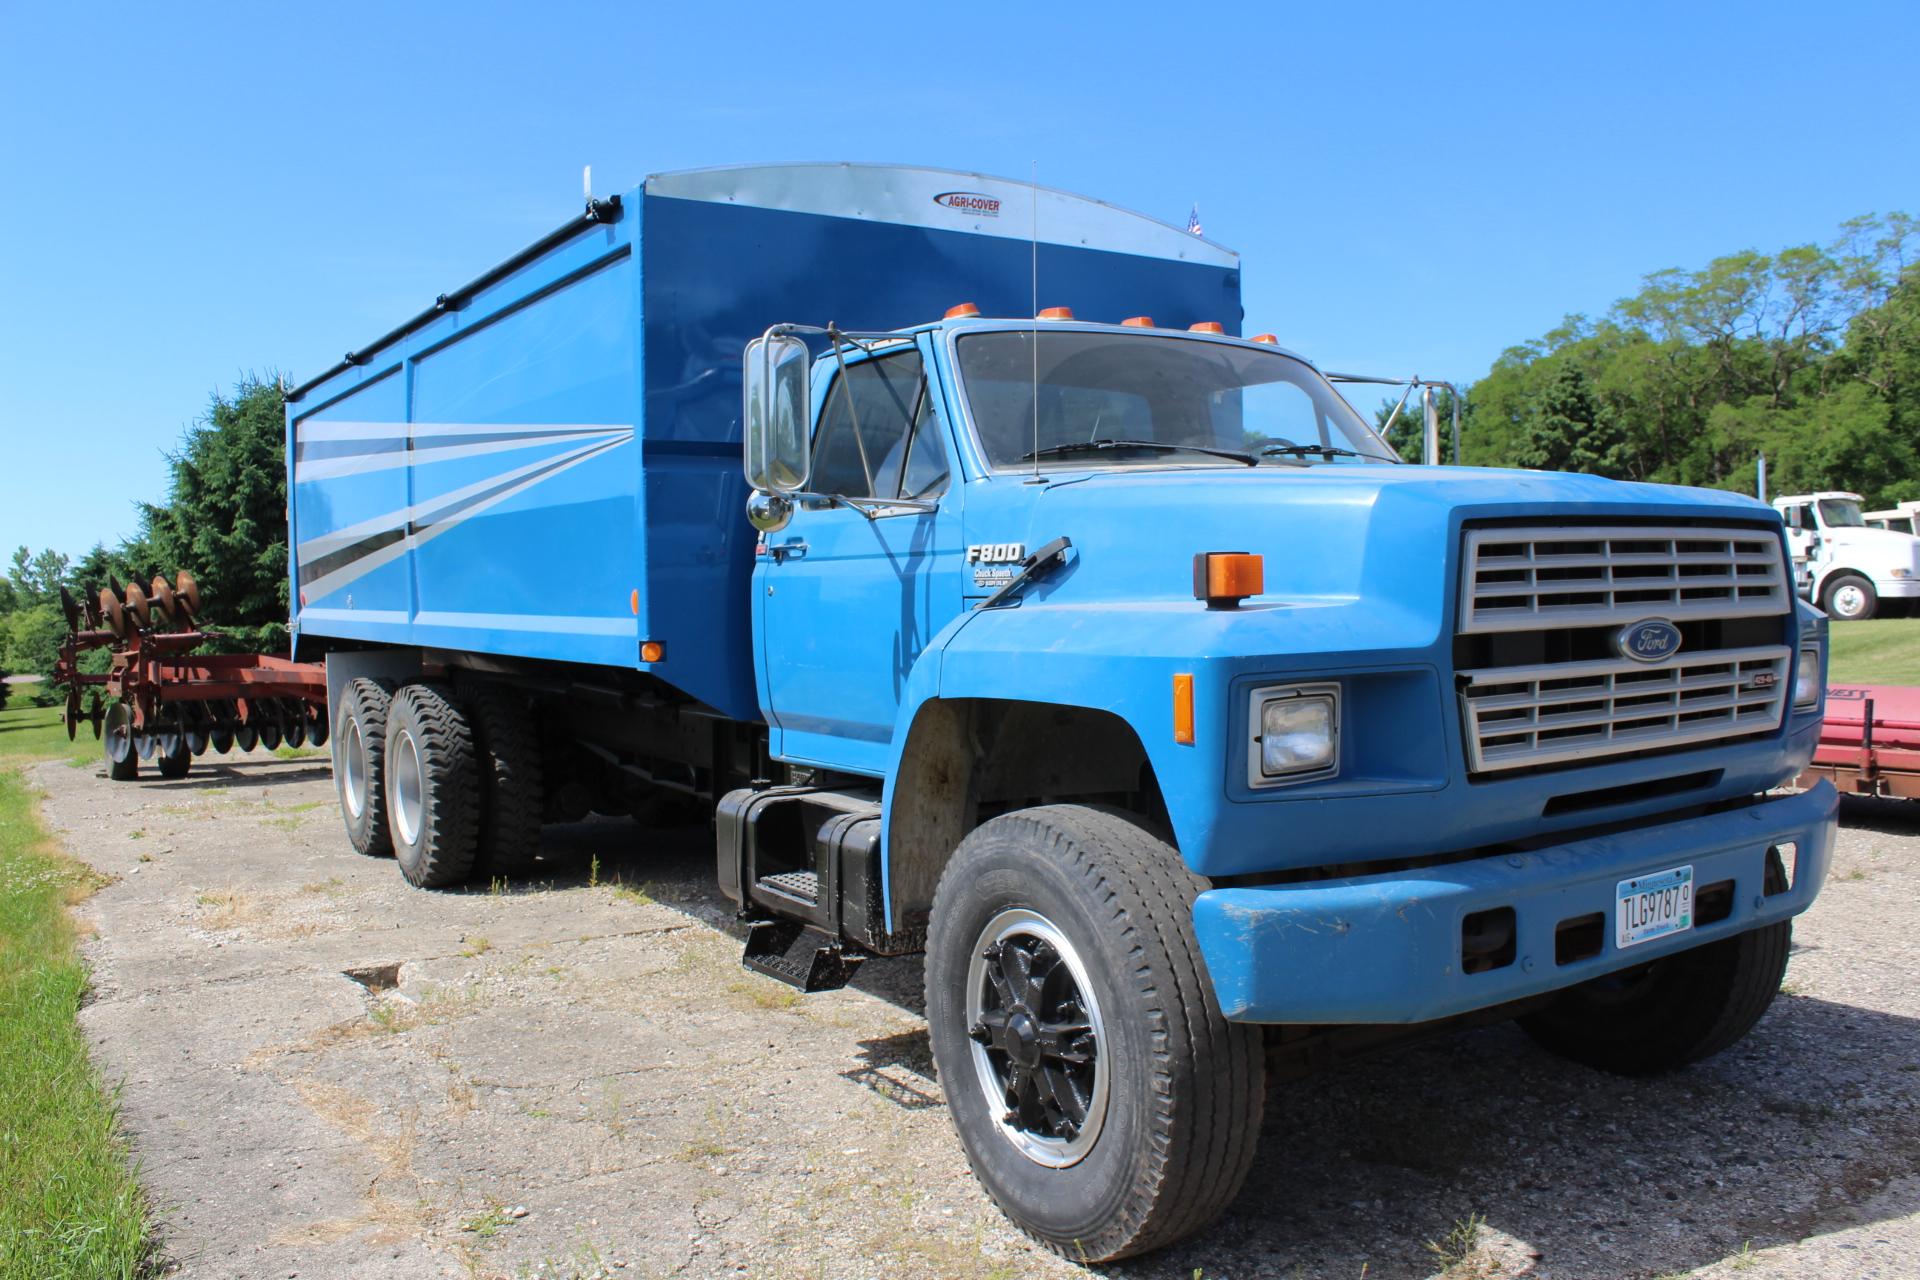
{"type": "Point", "coordinates": [1038, 1038]}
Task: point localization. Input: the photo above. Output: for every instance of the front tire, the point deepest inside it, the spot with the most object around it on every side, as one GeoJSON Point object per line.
{"type": "Point", "coordinates": [433, 787]}
{"type": "Point", "coordinates": [1103, 1101]}
{"type": "Point", "coordinates": [1849, 597]}
{"type": "Point", "coordinates": [1672, 1012]}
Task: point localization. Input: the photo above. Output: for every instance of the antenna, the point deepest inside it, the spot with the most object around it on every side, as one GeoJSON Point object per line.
{"type": "Point", "coordinates": [1033, 187]}
{"type": "Point", "coordinates": [586, 182]}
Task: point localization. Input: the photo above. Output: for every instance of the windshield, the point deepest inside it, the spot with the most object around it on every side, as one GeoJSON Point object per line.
{"type": "Point", "coordinates": [1839, 513]}
{"type": "Point", "coordinates": [1126, 399]}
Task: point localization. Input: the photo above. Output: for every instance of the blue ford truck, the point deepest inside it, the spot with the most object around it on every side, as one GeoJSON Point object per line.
{"type": "Point", "coordinates": [941, 537]}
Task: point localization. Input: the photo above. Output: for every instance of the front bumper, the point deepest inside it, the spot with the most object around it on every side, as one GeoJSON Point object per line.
{"type": "Point", "coordinates": [1897, 588]}
{"type": "Point", "coordinates": [1387, 948]}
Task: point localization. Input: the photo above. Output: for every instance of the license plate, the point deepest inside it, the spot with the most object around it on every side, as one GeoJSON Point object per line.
{"type": "Point", "coordinates": [1653, 906]}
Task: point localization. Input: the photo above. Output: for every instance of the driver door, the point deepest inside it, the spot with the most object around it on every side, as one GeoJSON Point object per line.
{"type": "Point", "coordinates": [849, 598]}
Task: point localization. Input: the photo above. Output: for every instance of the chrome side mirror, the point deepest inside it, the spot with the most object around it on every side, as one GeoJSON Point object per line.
{"type": "Point", "coordinates": [774, 416]}
{"type": "Point", "coordinates": [769, 512]}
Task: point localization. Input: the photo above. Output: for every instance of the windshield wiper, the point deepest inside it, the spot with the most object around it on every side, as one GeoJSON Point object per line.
{"type": "Point", "coordinates": [1159, 446]}
{"type": "Point", "coordinates": [1323, 450]}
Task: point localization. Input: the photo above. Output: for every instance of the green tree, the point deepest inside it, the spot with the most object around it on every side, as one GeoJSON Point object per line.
{"type": "Point", "coordinates": [1570, 430]}
{"type": "Point", "coordinates": [33, 644]}
{"type": "Point", "coordinates": [225, 520]}
{"type": "Point", "coordinates": [37, 579]}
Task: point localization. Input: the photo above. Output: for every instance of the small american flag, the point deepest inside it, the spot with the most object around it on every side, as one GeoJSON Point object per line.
{"type": "Point", "coordinates": [1193, 222]}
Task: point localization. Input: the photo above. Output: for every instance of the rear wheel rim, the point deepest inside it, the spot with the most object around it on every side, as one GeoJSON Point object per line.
{"type": "Point", "coordinates": [1038, 1040]}
{"type": "Point", "coordinates": [353, 771]}
{"type": "Point", "coordinates": [409, 785]}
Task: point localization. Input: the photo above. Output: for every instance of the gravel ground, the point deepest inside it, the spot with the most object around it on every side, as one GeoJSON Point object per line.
{"type": "Point", "coordinates": [570, 1075]}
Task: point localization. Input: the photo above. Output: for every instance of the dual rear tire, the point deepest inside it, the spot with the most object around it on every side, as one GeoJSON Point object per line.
{"type": "Point", "coordinates": [446, 782]}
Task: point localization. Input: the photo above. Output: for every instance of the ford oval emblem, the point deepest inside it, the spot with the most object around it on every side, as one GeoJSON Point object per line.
{"type": "Point", "coordinates": [1650, 640]}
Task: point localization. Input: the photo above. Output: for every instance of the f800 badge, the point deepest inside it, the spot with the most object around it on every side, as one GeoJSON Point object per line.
{"type": "Point", "coordinates": [994, 563]}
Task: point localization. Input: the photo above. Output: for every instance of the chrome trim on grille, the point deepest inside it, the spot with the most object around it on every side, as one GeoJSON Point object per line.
{"type": "Point", "coordinates": [1527, 579]}
{"type": "Point", "coordinates": [1522, 716]}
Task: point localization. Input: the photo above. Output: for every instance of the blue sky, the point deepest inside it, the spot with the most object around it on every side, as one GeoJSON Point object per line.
{"type": "Point", "coordinates": [191, 192]}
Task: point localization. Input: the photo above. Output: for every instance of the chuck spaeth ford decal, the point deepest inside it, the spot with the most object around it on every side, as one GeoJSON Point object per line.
{"type": "Point", "coordinates": [995, 563]}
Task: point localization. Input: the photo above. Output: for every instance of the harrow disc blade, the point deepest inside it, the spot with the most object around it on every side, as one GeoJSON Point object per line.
{"type": "Point", "coordinates": [72, 716]}
{"type": "Point", "coordinates": [269, 733]}
{"type": "Point", "coordinates": [296, 730]}
{"type": "Point", "coordinates": [317, 728]}
{"type": "Point", "coordinates": [220, 738]}
{"type": "Point", "coordinates": [113, 613]}
{"type": "Point", "coordinates": [186, 593]}
{"type": "Point", "coordinates": [197, 739]}
{"type": "Point", "coordinates": [90, 604]}
{"type": "Point", "coordinates": [137, 606]}
{"type": "Point", "coordinates": [246, 737]}
{"type": "Point", "coordinates": [119, 733]}
{"type": "Point", "coordinates": [143, 743]}
{"type": "Point", "coordinates": [71, 607]}
{"type": "Point", "coordinates": [160, 591]}
{"type": "Point", "coordinates": [94, 715]}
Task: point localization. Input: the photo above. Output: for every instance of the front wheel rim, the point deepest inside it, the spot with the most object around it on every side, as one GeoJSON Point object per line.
{"type": "Point", "coordinates": [1848, 601]}
{"type": "Point", "coordinates": [409, 782]}
{"type": "Point", "coordinates": [1038, 1040]}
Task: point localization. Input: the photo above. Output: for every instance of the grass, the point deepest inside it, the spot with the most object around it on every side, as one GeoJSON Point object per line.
{"type": "Point", "coordinates": [1879, 651]}
{"type": "Point", "coordinates": [71, 1206]}
{"type": "Point", "coordinates": [41, 733]}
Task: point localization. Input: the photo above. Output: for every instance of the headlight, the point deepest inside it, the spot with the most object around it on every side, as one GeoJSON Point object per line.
{"type": "Point", "coordinates": [1902, 573]}
{"type": "Point", "coordinates": [1295, 734]}
{"type": "Point", "coordinates": [1806, 680]}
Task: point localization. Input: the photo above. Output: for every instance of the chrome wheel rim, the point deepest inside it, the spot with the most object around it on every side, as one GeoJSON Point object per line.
{"type": "Point", "coordinates": [1849, 600]}
{"type": "Point", "coordinates": [1038, 1040]}
{"type": "Point", "coordinates": [353, 771]}
{"type": "Point", "coordinates": [409, 783]}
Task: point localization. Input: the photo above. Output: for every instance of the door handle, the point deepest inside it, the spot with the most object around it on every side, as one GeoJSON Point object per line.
{"type": "Point", "coordinates": [784, 551]}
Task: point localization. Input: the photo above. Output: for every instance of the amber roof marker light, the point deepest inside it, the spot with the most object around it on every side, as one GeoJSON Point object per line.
{"type": "Point", "coordinates": [1137, 322]}
{"type": "Point", "coordinates": [1207, 326]}
{"type": "Point", "coordinates": [961, 311]}
{"type": "Point", "coordinates": [1267, 338]}
{"type": "Point", "coordinates": [1224, 578]}
{"type": "Point", "coordinates": [1056, 313]}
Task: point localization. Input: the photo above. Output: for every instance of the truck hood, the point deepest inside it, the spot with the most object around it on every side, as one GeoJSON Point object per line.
{"type": "Point", "coordinates": [1380, 536]}
{"type": "Point", "coordinates": [1883, 544]}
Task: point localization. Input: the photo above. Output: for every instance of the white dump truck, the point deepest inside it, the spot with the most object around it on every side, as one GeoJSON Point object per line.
{"type": "Point", "coordinates": [1899, 517]}
{"type": "Point", "coordinates": [1841, 563]}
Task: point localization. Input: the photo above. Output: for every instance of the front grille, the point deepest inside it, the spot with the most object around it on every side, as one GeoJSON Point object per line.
{"type": "Point", "coordinates": [1521, 716]}
{"type": "Point", "coordinates": [1522, 579]}
{"type": "Point", "coordinates": [1543, 679]}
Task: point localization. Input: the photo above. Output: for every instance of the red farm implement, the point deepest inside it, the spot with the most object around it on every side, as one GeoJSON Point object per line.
{"type": "Point", "coordinates": [1869, 742]}
{"type": "Point", "coordinates": [164, 699]}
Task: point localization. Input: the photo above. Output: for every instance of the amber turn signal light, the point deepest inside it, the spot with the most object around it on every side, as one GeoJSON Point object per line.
{"type": "Point", "coordinates": [1056, 313]}
{"type": "Point", "coordinates": [1224, 578]}
{"type": "Point", "coordinates": [1183, 710]}
{"type": "Point", "coordinates": [652, 651]}
{"type": "Point", "coordinates": [964, 311]}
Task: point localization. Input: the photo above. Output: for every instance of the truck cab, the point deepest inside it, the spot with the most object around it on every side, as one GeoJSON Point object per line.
{"type": "Point", "coordinates": [1097, 614]}
{"type": "Point", "coordinates": [1849, 567]}
{"type": "Point", "coordinates": [1899, 518]}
